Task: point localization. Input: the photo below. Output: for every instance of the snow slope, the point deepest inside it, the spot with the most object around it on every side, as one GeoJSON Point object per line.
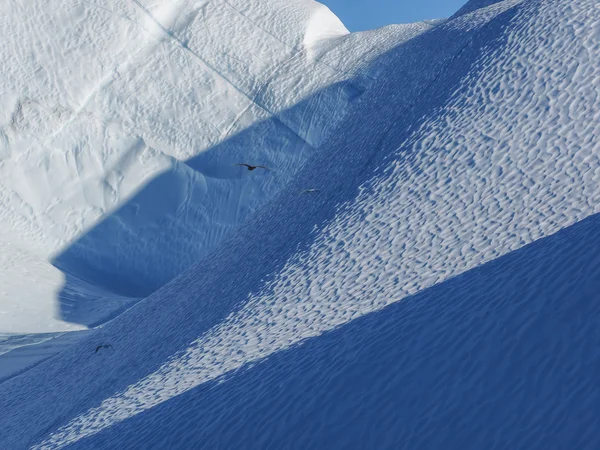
{"type": "Point", "coordinates": [120, 122]}
{"type": "Point", "coordinates": [438, 291]}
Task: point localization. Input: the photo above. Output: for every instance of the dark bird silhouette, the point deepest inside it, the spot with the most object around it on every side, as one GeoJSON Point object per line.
{"type": "Point", "coordinates": [104, 346]}
{"type": "Point", "coordinates": [309, 191]}
{"type": "Point", "coordinates": [251, 167]}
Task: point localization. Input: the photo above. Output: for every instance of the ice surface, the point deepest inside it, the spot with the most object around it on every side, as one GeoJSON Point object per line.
{"type": "Point", "coordinates": [439, 289]}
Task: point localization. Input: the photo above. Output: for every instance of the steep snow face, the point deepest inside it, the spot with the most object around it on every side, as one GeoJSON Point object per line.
{"type": "Point", "coordinates": [121, 122]}
{"type": "Point", "coordinates": [486, 142]}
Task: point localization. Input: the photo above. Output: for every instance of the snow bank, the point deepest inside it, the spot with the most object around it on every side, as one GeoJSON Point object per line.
{"type": "Point", "coordinates": [478, 139]}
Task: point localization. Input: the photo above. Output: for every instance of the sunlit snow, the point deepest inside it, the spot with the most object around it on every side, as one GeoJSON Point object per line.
{"type": "Point", "coordinates": [452, 167]}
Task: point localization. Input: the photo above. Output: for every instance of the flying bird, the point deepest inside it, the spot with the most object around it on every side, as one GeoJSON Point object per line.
{"type": "Point", "coordinates": [309, 191]}
{"type": "Point", "coordinates": [251, 167]}
{"type": "Point", "coordinates": [103, 346]}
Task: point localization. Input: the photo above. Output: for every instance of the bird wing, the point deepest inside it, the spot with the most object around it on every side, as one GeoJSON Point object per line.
{"type": "Point", "coordinates": [264, 167]}
{"type": "Point", "coordinates": [245, 165]}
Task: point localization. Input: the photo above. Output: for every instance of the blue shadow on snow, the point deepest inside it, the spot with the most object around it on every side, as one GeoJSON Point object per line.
{"type": "Point", "coordinates": [504, 356]}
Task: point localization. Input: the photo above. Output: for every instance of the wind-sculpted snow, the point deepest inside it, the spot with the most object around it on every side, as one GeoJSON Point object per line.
{"type": "Point", "coordinates": [446, 164]}
{"type": "Point", "coordinates": [495, 357]}
{"type": "Point", "coordinates": [120, 123]}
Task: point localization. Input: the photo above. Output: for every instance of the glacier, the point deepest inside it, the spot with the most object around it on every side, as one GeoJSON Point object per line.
{"type": "Point", "coordinates": [438, 289]}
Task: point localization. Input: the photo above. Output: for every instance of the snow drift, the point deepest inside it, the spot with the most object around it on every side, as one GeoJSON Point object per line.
{"type": "Point", "coordinates": [438, 290]}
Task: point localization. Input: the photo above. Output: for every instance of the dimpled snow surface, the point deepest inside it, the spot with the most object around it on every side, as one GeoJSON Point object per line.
{"type": "Point", "coordinates": [430, 278]}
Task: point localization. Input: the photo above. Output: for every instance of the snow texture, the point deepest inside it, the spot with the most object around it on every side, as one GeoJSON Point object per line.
{"type": "Point", "coordinates": [437, 289]}
{"type": "Point", "coordinates": [120, 123]}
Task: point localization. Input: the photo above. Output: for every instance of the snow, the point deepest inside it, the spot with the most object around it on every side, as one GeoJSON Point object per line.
{"type": "Point", "coordinates": [20, 352]}
{"type": "Point", "coordinates": [119, 125]}
{"type": "Point", "coordinates": [437, 290]}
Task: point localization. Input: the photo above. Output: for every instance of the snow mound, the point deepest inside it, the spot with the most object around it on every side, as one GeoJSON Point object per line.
{"type": "Point", "coordinates": [449, 212]}
{"type": "Point", "coordinates": [121, 122]}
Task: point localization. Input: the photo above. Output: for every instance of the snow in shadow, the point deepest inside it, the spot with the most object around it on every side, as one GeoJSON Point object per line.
{"type": "Point", "coordinates": [503, 356]}
{"type": "Point", "coordinates": [307, 265]}
{"type": "Point", "coordinates": [192, 330]}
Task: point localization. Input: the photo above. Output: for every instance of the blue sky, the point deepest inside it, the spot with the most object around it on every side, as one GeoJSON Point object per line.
{"type": "Point", "coordinates": [360, 15]}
